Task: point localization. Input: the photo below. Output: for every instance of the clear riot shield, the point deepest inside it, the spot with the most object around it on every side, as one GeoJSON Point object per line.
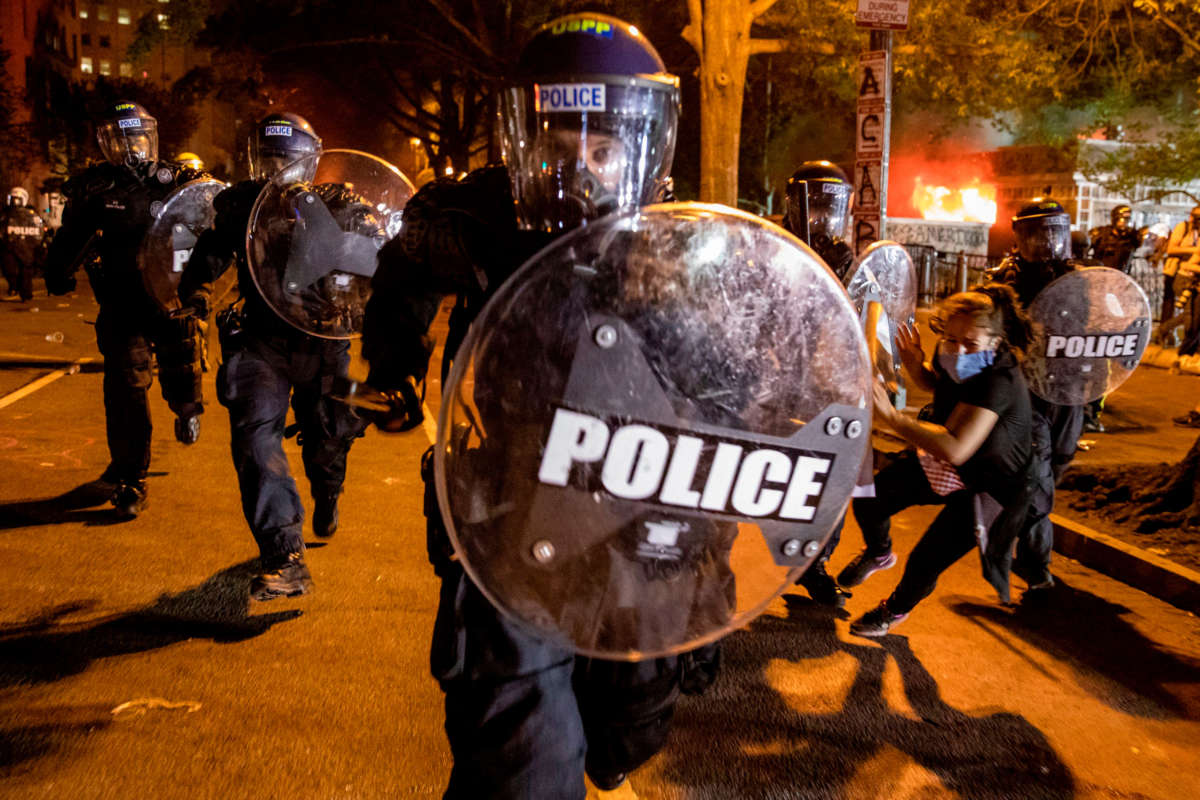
{"type": "Point", "coordinates": [1090, 329]}
{"type": "Point", "coordinates": [884, 275]}
{"type": "Point", "coordinates": [652, 429]}
{"type": "Point", "coordinates": [312, 246]}
{"type": "Point", "coordinates": [178, 222]}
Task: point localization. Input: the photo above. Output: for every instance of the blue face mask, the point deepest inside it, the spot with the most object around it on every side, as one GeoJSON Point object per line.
{"type": "Point", "coordinates": [965, 365]}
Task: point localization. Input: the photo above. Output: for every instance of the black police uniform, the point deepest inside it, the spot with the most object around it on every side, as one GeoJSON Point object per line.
{"type": "Point", "coordinates": [265, 364]}
{"type": "Point", "coordinates": [21, 234]}
{"type": "Point", "coordinates": [521, 712]}
{"type": "Point", "coordinates": [108, 212]}
{"type": "Point", "coordinates": [1056, 430]}
{"type": "Point", "coordinates": [1113, 246]}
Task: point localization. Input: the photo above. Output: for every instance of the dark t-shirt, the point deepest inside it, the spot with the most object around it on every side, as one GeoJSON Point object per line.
{"type": "Point", "coordinates": [998, 466]}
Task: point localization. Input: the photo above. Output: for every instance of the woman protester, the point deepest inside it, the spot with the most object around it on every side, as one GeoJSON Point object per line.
{"type": "Point", "coordinates": [972, 456]}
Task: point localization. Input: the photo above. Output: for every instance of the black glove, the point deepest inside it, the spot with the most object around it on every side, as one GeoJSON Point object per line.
{"type": "Point", "coordinates": [198, 304]}
{"type": "Point", "coordinates": [393, 411]}
{"type": "Point", "coordinates": [404, 411]}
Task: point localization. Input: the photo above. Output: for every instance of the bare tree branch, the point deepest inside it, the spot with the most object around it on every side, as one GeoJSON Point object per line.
{"type": "Point", "coordinates": [448, 14]}
{"type": "Point", "coordinates": [760, 7]}
{"type": "Point", "coordinates": [758, 46]}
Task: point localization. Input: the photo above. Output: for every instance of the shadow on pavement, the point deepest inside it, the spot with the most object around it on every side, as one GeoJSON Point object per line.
{"type": "Point", "coordinates": [759, 742]}
{"type": "Point", "coordinates": [77, 505]}
{"type": "Point", "coordinates": [41, 651]}
{"type": "Point", "coordinates": [1111, 659]}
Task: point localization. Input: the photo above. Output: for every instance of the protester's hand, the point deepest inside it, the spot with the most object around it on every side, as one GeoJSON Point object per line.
{"type": "Point", "coordinates": [908, 342]}
{"type": "Point", "coordinates": [884, 410]}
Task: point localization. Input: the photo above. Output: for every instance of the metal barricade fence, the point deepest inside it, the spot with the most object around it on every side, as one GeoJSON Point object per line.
{"type": "Point", "coordinates": [942, 274]}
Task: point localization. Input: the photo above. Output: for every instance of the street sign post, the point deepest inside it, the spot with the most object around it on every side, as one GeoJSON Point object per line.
{"type": "Point", "coordinates": [872, 135]}
{"type": "Point", "coordinates": [882, 14]}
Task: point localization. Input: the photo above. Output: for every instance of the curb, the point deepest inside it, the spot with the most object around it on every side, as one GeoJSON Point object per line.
{"type": "Point", "coordinates": [1131, 565]}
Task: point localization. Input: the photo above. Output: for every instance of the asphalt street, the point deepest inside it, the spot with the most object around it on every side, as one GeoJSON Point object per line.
{"type": "Point", "coordinates": [132, 665]}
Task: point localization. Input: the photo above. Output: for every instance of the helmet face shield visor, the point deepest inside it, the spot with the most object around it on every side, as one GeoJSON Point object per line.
{"type": "Point", "coordinates": [827, 204]}
{"type": "Point", "coordinates": [267, 158]}
{"type": "Point", "coordinates": [1045, 238]}
{"type": "Point", "coordinates": [129, 140]}
{"type": "Point", "coordinates": [577, 151]}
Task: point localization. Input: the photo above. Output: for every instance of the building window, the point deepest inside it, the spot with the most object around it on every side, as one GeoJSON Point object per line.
{"type": "Point", "coordinates": [126, 69]}
{"type": "Point", "coordinates": [123, 16]}
{"type": "Point", "coordinates": [105, 41]}
{"type": "Point", "coordinates": [163, 22]}
{"type": "Point", "coordinates": [103, 14]}
{"type": "Point", "coordinates": [85, 65]}
{"type": "Point", "coordinates": [105, 67]}
{"type": "Point", "coordinates": [85, 39]}
{"type": "Point", "coordinates": [83, 13]}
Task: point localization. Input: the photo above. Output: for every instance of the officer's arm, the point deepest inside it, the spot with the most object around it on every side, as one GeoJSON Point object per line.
{"type": "Point", "coordinates": [215, 251]}
{"type": "Point", "coordinates": [210, 258]}
{"type": "Point", "coordinates": [404, 301]}
{"type": "Point", "coordinates": [69, 248]}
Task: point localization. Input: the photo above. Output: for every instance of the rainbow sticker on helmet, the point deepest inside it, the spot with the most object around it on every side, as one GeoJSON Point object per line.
{"type": "Point", "coordinates": [562, 97]}
{"type": "Point", "coordinates": [595, 27]}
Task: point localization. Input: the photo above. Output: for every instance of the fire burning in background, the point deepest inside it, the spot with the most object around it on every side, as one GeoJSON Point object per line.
{"type": "Point", "coordinates": [973, 203]}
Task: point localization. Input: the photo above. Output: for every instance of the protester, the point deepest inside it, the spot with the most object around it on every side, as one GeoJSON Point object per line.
{"type": "Point", "coordinates": [972, 457]}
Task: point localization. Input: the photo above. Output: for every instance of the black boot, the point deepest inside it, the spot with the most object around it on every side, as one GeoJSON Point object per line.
{"type": "Point", "coordinates": [821, 586]}
{"type": "Point", "coordinates": [325, 514]}
{"type": "Point", "coordinates": [129, 499]}
{"type": "Point", "coordinates": [187, 429]}
{"type": "Point", "coordinates": [282, 577]}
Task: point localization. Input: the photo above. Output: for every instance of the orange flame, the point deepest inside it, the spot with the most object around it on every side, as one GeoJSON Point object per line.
{"type": "Point", "coordinates": [973, 203]}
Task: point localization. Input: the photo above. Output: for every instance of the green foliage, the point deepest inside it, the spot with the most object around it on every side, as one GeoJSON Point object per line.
{"type": "Point", "coordinates": [184, 19]}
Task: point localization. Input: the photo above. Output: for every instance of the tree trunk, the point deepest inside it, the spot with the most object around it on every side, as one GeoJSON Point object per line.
{"type": "Point", "coordinates": [722, 86]}
{"type": "Point", "coordinates": [719, 32]}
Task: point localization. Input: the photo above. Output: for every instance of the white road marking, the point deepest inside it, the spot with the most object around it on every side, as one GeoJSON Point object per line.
{"type": "Point", "coordinates": [429, 424]}
{"type": "Point", "coordinates": [40, 383]}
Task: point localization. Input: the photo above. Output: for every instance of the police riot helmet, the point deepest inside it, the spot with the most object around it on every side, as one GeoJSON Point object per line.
{"type": "Point", "coordinates": [818, 203]}
{"type": "Point", "coordinates": [17, 196]}
{"type": "Point", "coordinates": [280, 139]}
{"type": "Point", "coordinates": [588, 122]}
{"type": "Point", "coordinates": [191, 160]}
{"type": "Point", "coordinates": [1043, 231]}
{"type": "Point", "coordinates": [1120, 216]}
{"type": "Point", "coordinates": [127, 134]}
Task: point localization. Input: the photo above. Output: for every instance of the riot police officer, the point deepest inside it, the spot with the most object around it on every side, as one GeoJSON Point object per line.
{"type": "Point", "coordinates": [1043, 234]}
{"type": "Point", "coordinates": [109, 208]}
{"type": "Point", "coordinates": [267, 361]}
{"type": "Point", "coordinates": [524, 717]}
{"type": "Point", "coordinates": [818, 211]}
{"type": "Point", "coordinates": [21, 234]}
{"type": "Point", "coordinates": [1113, 245]}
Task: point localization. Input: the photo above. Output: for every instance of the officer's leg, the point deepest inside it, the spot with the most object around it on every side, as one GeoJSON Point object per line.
{"type": "Point", "coordinates": [25, 280]}
{"type": "Point", "coordinates": [627, 710]}
{"type": "Point", "coordinates": [127, 378]}
{"type": "Point", "coordinates": [177, 344]}
{"type": "Point", "coordinates": [8, 262]}
{"type": "Point", "coordinates": [511, 716]}
{"type": "Point", "coordinates": [254, 386]}
{"type": "Point", "coordinates": [327, 429]}
{"type": "Point", "coordinates": [1035, 541]}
